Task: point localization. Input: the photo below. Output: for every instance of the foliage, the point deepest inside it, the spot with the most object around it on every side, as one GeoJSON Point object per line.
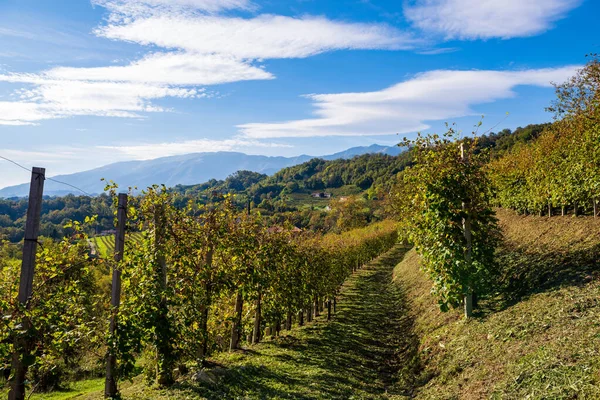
{"type": "Point", "coordinates": [64, 314]}
{"type": "Point", "coordinates": [440, 199]}
{"type": "Point", "coordinates": [211, 254]}
{"type": "Point", "coordinates": [561, 169]}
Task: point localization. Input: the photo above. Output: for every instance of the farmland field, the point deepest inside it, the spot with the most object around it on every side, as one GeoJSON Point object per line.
{"type": "Point", "coordinates": [105, 245]}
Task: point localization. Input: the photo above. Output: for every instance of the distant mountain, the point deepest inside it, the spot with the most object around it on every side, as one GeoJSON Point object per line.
{"type": "Point", "coordinates": [185, 169]}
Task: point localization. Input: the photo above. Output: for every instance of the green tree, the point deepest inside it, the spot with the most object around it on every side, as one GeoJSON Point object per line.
{"type": "Point", "coordinates": [445, 206]}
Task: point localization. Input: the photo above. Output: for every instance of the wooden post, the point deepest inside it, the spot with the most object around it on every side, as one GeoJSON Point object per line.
{"type": "Point", "coordinates": [164, 345]}
{"type": "Point", "coordinates": [467, 232]}
{"type": "Point", "coordinates": [256, 337]}
{"type": "Point", "coordinates": [110, 386]}
{"type": "Point", "coordinates": [236, 329]}
{"type": "Point", "coordinates": [32, 227]}
{"type": "Point", "coordinates": [288, 321]}
{"type": "Point", "coordinates": [595, 208]}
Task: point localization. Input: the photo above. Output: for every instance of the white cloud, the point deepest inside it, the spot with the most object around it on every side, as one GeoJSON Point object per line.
{"type": "Point", "coordinates": [169, 68]}
{"type": "Point", "coordinates": [128, 8]}
{"type": "Point", "coordinates": [154, 150]}
{"type": "Point", "coordinates": [266, 36]}
{"type": "Point", "coordinates": [54, 98]}
{"type": "Point", "coordinates": [200, 47]}
{"type": "Point", "coordinates": [482, 19]}
{"type": "Point", "coordinates": [406, 106]}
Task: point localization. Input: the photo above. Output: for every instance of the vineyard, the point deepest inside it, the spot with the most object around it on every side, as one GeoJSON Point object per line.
{"type": "Point", "coordinates": [105, 244]}
{"type": "Point", "coordinates": [197, 281]}
{"type": "Point", "coordinates": [207, 299]}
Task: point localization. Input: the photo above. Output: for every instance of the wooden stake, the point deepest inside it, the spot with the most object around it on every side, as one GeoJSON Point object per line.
{"type": "Point", "coordinates": [164, 349]}
{"type": "Point", "coordinates": [256, 337]}
{"type": "Point", "coordinates": [110, 386]}
{"type": "Point", "coordinates": [236, 329]}
{"type": "Point", "coordinates": [32, 227]}
{"type": "Point", "coordinates": [467, 232]}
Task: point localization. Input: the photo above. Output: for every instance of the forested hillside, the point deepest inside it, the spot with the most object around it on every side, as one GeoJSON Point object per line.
{"type": "Point", "coordinates": [288, 191]}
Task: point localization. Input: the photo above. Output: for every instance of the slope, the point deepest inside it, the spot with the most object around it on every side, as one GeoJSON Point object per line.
{"type": "Point", "coordinates": [538, 339]}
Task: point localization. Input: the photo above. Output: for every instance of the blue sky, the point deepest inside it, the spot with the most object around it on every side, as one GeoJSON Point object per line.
{"type": "Point", "coordinates": [85, 83]}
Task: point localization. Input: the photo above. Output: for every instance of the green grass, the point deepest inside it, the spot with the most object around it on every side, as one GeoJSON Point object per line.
{"type": "Point", "coordinates": [358, 355]}
{"type": "Point", "coordinates": [74, 391]}
{"type": "Point", "coordinates": [105, 245]}
{"type": "Point", "coordinates": [539, 338]}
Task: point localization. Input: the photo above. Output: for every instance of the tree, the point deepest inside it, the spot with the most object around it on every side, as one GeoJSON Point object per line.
{"type": "Point", "coordinates": [445, 205]}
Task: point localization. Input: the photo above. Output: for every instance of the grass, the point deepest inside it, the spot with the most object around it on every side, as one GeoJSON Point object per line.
{"type": "Point", "coordinates": [359, 354]}
{"type": "Point", "coordinates": [538, 339]}
{"type": "Point", "coordinates": [74, 390]}
{"type": "Point", "coordinates": [105, 245]}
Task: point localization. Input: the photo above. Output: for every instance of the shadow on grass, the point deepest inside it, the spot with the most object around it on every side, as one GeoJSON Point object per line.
{"type": "Point", "coordinates": [367, 350]}
{"type": "Point", "coordinates": [525, 272]}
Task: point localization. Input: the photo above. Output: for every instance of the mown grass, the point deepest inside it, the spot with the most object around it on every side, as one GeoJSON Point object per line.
{"type": "Point", "coordinates": [538, 339]}
{"type": "Point", "coordinates": [364, 352]}
{"type": "Point", "coordinates": [105, 245]}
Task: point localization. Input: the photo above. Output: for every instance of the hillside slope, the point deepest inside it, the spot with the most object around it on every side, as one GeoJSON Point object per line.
{"type": "Point", "coordinates": [538, 339]}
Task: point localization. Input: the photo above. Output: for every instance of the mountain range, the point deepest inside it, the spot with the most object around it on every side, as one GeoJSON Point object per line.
{"type": "Point", "coordinates": [187, 169]}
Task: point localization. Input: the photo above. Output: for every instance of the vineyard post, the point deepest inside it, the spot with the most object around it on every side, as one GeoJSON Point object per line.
{"type": "Point", "coordinates": [467, 231]}
{"type": "Point", "coordinates": [256, 332]}
{"type": "Point", "coordinates": [164, 350]}
{"type": "Point", "coordinates": [236, 329]}
{"type": "Point", "coordinates": [110, 386]}
{"type": "Point", "coordinates": [288, 322]}
{"type": "Point", "coordinates": [32, 226]}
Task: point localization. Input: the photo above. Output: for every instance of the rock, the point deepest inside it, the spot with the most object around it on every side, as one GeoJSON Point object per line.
{"type": "Point", "coordinates": [204, 377]}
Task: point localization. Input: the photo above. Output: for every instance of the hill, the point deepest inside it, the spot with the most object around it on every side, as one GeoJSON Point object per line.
{"type": "Point", "coordinates": [538, 338]}
{"type": "Point", "coordinates": [179, 170]}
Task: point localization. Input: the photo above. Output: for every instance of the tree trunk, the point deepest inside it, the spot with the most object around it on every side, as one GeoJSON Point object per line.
{"type": "Point", "coordinates": [288, 322]}
{"type": "Point", "coordinates": [334, 304]}
{"type": "Point", "coordinates": [562, 211]}
{"type": "Point", "coordinates": [469, 305]}
{"type": "Point", "coordinates": [595, 208]}
{"type": "Point", "coordinates": [328, 310]}
{"type": "Point", "coordinates": [256, 332]}
{"type": "Point", "coordinates": [316, 307]}
{"type": "Point", "coordinates": [301, 318]}
{"type": "Point", "coordinates": [549, 209]}
{"type": "Point", "coordinates": [309, 314]}
{"type": "Point", "coordinates": [236, 329]}
{"type": "Point", "coordinates": [575, 208]}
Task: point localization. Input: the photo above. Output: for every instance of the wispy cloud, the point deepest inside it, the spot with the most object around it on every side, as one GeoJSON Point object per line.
{"type": "Point", "coordinates": [440, 50]}
{"type": "Point", "coordinates": [199, 47]}
{"type": "Point", "coordinates": [483, 19]}
{"type": "Point", "coordinates": [153, 150]}
{"type": "Point", "coordinates": [407, 106]}
{"type": "Point", "coordinates": [262, 37]}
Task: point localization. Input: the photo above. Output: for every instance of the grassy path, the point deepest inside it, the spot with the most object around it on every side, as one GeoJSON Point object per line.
{"type": "Point", "coordinates": [366, 351]}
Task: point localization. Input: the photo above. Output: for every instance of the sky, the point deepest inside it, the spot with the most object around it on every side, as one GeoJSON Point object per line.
{"type": "Point", "coordinates": [84, 83]}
